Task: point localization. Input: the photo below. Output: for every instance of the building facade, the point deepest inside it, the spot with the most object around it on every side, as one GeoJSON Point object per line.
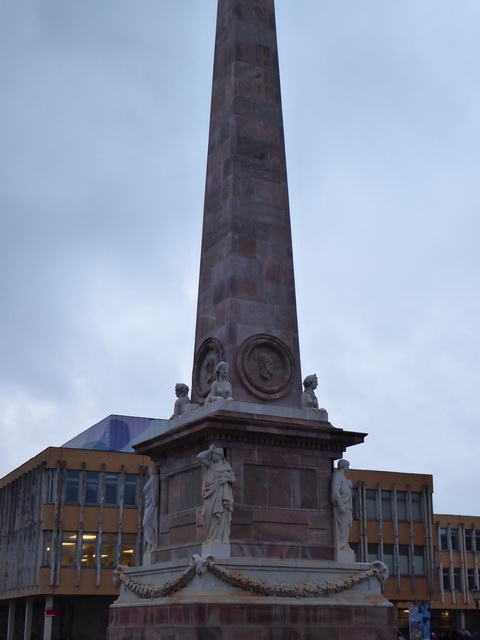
{"type": "Point", "coordinates": [68, 518]}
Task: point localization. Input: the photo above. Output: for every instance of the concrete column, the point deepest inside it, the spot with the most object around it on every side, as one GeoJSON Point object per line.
{"type": "Point", "coordinates": [48, 622]}
{"type": "Point", "coordinates": [11, 619]}
{"type": "Point", "coordinates": [27, 630]}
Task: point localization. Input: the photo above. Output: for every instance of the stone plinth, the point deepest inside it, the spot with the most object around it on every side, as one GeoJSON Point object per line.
{"type": "Point", "coordinates": [282, 459]}
{"type": "Point", "coordinates": [208, 607]}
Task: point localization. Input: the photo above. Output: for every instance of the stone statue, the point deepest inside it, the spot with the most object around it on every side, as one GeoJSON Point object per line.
{"type": "Point", "coordinates": [183, 402]}
{"type": "Point", "coordinates": [221, 388]}
{"type": "Point", "coordinates": [341, 496]}
{"type": "Point", "coordinates": [217, 494]}
{"type": "Point", "coordinates": [151, 492]}
{"type": "Point", "coordinates": [309, 399]}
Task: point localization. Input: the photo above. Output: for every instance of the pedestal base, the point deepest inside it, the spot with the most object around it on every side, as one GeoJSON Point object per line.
{"type": "Point", "coordinates": [239, 599]}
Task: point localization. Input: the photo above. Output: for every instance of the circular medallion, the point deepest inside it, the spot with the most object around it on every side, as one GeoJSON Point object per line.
{"type": "Point", "coordinates": [208, 356]}
{"type": "Point", "coordinates": [266, 366]}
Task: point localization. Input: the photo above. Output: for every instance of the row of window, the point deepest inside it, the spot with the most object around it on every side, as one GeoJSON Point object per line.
{"type": "Point", "coordinates": [382, 504]}
{"type": "Point", "coordinates": [92, 549]}
{"type": "Point", "coordinates": [450, 539]}
{"type": "Point", "coordinates": [116, 488]}
{"type": "Point", "coordinates": [408, 561]}
{"type": "Point", "coordinates": [452, 580]}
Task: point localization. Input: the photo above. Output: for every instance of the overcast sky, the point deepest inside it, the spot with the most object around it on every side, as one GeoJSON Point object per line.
{"type": "Point", "coordinates": [103, 129]}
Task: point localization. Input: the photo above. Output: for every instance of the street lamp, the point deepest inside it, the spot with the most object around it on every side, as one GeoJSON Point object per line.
{"type": "Point", "coordinates": [476, 596]}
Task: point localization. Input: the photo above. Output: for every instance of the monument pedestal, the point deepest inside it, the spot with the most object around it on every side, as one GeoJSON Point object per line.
{"type": "Point", "coordinates": [282, 579]}
{"type": "Point", "coordinates": [241, 599]}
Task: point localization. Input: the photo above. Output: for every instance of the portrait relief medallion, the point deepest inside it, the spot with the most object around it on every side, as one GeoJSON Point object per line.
{"type": "Point", "coordinates": [266, 366]}
{"type": "Point", "coordinates": [208, 356]}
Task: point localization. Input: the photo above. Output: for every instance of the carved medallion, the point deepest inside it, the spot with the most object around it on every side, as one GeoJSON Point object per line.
{"type": "Point", "coordinates": [208, 356]}
{"type": "Point", "coordinates": [266, 366]}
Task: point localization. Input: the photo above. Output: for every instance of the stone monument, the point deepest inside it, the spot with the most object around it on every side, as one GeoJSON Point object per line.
{"type": "Point", "coordinates": [249, 536]}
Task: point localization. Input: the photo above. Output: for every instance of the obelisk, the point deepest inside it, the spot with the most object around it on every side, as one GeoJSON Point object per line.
{"type": "Point", "coordinates": [248, 550]}
{"type": "Point", "coordinates": [246, 312]}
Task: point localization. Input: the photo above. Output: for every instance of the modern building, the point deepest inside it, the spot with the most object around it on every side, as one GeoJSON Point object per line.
{"type": "Point", "coordinates": [68, 518]}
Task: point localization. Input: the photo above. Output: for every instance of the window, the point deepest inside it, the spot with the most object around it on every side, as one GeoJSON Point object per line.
{"type": "Point", "coordinates": [388, 558]}
{"type": "Point", "coordinates": [454, 539]}
{"type": "Point", "coordinates": [403, 562]}
{"type": "Point", "coordinates": [477, 541]}
{"type": "Point", "coordinates": [446, 579]}
{"type": "Point", "coordinates": [72, 490]}
{"type": "Point", "coordinates": [387, 505]}
{"type": "Point", "coordinates": [68, 549]}
{"type": "Point", "coordinates": [111, 489]}
{"type": "Point", "coordinates": [468, 540]}
{"type": "Point", "coordinates": [402, 506]}
{"type": "Point", "coordinates": [130, 490]}
{"type": "Point", "coordinates": [443, 535]}
{"type": "Point", "coordinates": [472, 582]}
{"type": "Point", "coordinates": [127, 550]}
{"type": "Point", "coordinates": [91, 487]}
{"type": "Point", "coordinates": [108, 550]}
{"type": "Point", "coordinates": [89, 549]}
{"type": "Point", "coordinates": [372, 552]}
{"type": "Point", "coordinates": [419, 560]}
{"type": "Point", "coordinates": [355, 510]}
{"type": "Point", "coordinates": [371, 508]}
{"type": "Point", "coordinates": [47, 549]}
{"type": "Point", "coordinates": [416, 501]}
{"type": "Point", "coordinates": [457, 579]}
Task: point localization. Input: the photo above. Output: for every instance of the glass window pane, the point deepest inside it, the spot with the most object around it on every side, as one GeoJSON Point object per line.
{"type": "Point", "coordinates": [402, 506]}
{"type": "Point", "coordinates": [446, 579]}
{"type": "Point", "coordinates": [91, 487]}
{"type": "Point", "coordinates": [68, 549]}
{"type": "Point", "coordinates": [388, 558]}
{"type": "Point", "coordinates": [419, 561]}
{"type": "Point", "coordinates": [372, 552]}
{"type": "Point", "coordinates": [403, 560]}
{"type": "Point", "coordinates": [130, 490]}
{"type": "Point", "coordinates": [111, 487]}
{"type": "Point", "coordinates": [127, 550]}
{"type": "Point", "coordinates": [468, 540]}
{"type": "Point", "coordinates": [370, 499]}
{"type": "Point", "coordinates": [386, 505]}
{"type": "Point", "coordinates": [454, 539]}
{"type": "Point", "coordinates": [457, 579]}
{"type": "Point", "coordinates": [47, 549]}
{"type": "Point", "coordinates": [73, 487]}
{"type": "Point", "coordinates": [443, 539]}
{"type": "Point", "coordinates": [89, 547]}
{"type": "Point", "coordinates": [108, 552]}
{"type": "Point", "coordinates": [416, 507]}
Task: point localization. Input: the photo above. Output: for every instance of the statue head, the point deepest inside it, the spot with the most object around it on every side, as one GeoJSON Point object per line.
{"type": "Point", "coordinates": [343, 464]}
{"type": "Point", "coordinates": [311, 382]}
{"type": "Point", "coordinates": [181, 389]}
{"type": "Point", "coordinates": [216, 453]}
{"type": "Point", "coordinates": [222, 367]}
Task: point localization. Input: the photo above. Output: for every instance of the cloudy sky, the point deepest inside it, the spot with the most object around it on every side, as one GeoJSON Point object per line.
{"type": "Point", "coordinates": [103, 129]}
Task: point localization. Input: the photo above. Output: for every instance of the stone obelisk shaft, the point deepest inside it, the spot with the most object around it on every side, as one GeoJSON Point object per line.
{"type": "Point", "coordinates": [246, 311]}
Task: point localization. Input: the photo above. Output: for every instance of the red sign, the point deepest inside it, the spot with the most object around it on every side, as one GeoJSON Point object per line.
{"type": "Point", "coordinates": [50, 613]}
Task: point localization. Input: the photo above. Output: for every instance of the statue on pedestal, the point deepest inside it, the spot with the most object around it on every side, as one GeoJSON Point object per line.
{"type": "Point", "coordinates": [341, 496]}
{"type": "Point", "coordinates": [309, 399]}
{"type": "Point", "coordinates": [217, 494]}
{"type": "Point", "coordinates": [221, 388]}
{"type": "Point", "coordinates": [151, 492]}
{"type": "Point", "coordinates": [183, 402]}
